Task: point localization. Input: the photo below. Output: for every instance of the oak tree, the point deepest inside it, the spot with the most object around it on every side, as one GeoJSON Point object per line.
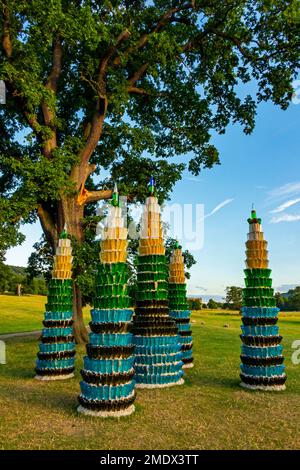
{"type": "Point", "coordinates": [124, 86]}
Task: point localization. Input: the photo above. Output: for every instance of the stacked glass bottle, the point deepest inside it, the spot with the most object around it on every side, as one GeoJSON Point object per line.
{"type": "Point", "coordinates": [157, 355]}
{"type": "Point", "coordinates": [179, 310]}
{"type": "Point", "coordinates": [107, 389]}
{"type": "Point", "coordinates": [262, 360]}
{"type": "Point", "coordinates": [57, 348]}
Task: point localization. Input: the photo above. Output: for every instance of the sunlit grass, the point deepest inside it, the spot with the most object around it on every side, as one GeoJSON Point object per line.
{"type": "Point", "coordinates": [24, 313]}
{"type": "Point", "coordinates": [210, 411]}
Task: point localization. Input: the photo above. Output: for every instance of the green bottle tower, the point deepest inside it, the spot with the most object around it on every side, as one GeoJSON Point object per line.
{"type": "Point", "coordinates": [107, 388]}
{"type": "Point", "coordinates": [262, 360]}
{"type": "Point", "coordinates": [57, 348]}
{"type": "Point", "coordinates": [179, 309]}
{"type": "Point", "coordinates": [157, 343]}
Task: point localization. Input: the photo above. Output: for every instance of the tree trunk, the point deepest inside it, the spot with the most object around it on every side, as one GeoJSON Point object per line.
{"type": "Point", "coordinates": [80, 331]}
{"type": "Point", "coordinates": [72, 214]}
{"type": "Point", "coordinates": [69, 212]}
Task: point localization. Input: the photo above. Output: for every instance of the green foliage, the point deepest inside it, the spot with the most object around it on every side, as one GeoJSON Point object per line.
{"type": "Point", "coordinates": [194, 303]}
{"type": "Point", "coordinates": [40, 261]}
{"type": "Point", "coordinates": [234, 297]}
{"type": "Point", "coordinates": [86, 258]}
{"type": "Point", "coordinates": [212, 304]}
{"type": "Point", "coordinates": [195, 54]}
{"type": "Point", "coordinates": [289, 301]}
{"type": "Point", "coordinates": [173, 75]}
{"type": "Point", "coordinates": [189, 259]}
{"type": "Point", "coordinates": [12, 276]}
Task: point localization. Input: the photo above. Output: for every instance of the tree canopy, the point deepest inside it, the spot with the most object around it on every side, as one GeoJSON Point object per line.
{"type": "Point", "coordinates": [124, 86]}
{"type": "Point", "coordinates": [107, 83]}
{"type": "Point", "coordinates": [234, 297]}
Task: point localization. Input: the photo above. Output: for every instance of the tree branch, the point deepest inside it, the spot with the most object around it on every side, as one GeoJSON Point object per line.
{"type": "Point", "coordinates": [56, 65]}
{"type": "Point", "coordinates": [138, 91]}
{"type": "Point", "coordinates": [96, 125]}
{"type": "Point", "coordinates": [101, 106]}
{"type": "Point", "coordinates": [95, 131]}
{"type": "Point", "coordinates": [189, 45]}
{"type": "Point", "coordinates": [107, 56]}
{"type": "Point", "coordinates": [30, 118]}
{"type": "Point", "coordinates": [138, 74]}
{"type": "Point", "coordinates": [48, 225]}
{"type": "Point", "coordinates": [51, 85]}
{"type": "Point", "coordinates": [166, 18]}
{"type": "Point", "coordinates": [94, 196]}
{"type": "Point", "coordinates": [235, 41]}
{"type": "Point", "coordinates": [6, 38]}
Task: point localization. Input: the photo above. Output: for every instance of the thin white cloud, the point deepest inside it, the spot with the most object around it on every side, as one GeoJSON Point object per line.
{"type": "Point", "coordinates": [285, 218]}
{"type": "Point", "coordinates": [193, 179]}
{"type": "Point", "coordinates": [219, 206]}
{"type": "Point", "coordinates": [286, 190]}
{"type": "Point", "coordinates": [285, 206]}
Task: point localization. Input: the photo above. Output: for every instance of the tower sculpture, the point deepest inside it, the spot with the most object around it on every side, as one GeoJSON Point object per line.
{"type": "Point", "coordinates": [57, 348]}
{"type": "Point", "coordinates": [262, 360]}
{"type": "Point", "coordinates": [158, 359]}
{"type": "Point", "coordinates": [178, 305]}
{"type": "Point", "coordinates": [107, 388]}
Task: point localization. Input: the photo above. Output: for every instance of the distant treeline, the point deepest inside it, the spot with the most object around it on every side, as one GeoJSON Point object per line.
{"type": "Point", "coordinates": [14, 280]}
{"type": "Point", "coordinates": [290, 301]}
{"type": "Point", "coordinates": [17, 280]}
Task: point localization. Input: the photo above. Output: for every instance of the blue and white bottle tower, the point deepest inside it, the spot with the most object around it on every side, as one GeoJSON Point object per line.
{"type": "Point", "coordinates": [262, 360]}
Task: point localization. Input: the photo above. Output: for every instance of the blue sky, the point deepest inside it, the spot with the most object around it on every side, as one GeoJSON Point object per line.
{"type": "Point", "coordinates": [264, 169]}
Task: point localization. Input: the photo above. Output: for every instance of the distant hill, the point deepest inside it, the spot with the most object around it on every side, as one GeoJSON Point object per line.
{"type": "Point", "coordinates": [17, 269]}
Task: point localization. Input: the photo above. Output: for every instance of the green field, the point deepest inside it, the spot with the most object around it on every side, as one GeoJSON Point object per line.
{"type": "Point", "coordinates": [210, 411]}
{"type": "Point", "coordinates": [26, 313]}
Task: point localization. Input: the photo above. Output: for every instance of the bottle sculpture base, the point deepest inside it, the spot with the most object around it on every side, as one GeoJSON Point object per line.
{"type": "Point", "coordinates": [172, 384]}
{"type": "Point", "coordinates": [264, 388]}
{"type": "Point", "coordinates": [188, 366]}
{"type": "Point", "coordinates": [48, 378]}
{"type": "Point", "coordinates": [267, 384]}
{"type": "Point", "coordinates": [106, 414]}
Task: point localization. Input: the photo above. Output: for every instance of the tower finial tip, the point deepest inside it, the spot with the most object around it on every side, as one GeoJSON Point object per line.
{"type": "Point", "coordinates": [115, 196]}
{"type": "Point", "coordinates": [151, 185]}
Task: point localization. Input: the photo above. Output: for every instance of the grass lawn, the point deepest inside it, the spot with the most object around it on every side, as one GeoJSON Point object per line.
{"type": "Point", "coordinates": [210, 411]}
{"type": "Point", "coordinates": [25, 313]}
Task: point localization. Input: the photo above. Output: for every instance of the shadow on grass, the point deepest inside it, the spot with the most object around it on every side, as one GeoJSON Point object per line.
{"type": "Point", "coordinates": [40, 394]}
{"type": "Point", "coordinates": [200, 378]}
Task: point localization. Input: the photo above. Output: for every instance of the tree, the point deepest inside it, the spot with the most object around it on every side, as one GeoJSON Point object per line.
{"type": "Point", "coordinates": [13, 279]}
{"type": "Point", "coordinates": [234, 297]}
{"type": "Point", "coordinates": [292, 300]}
{"type": "Point", "coordinates": [188, 258]}
{"type": "Point", "coordinates": [101, 85]}
{"type": "Point", "coordinates": [194, 303]}
{"type": "Point", "coordinates": [281, 302]}
{"type": "Point", "coordinates": [212, 304]}
{"type": "Point", "coordinates": [5, 274]}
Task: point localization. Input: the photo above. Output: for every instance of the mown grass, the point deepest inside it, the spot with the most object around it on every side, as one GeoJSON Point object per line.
{"type": "Point", "coordinates": [25, 313]}
{"type": "Point", "coordinates": [210, 411]}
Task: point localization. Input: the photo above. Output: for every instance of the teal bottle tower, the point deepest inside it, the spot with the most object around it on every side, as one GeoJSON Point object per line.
{"type": "Point", "coordinates": [107, 388]}
{"type": "Point", "coordinates": [158, 359]}
{"type": "Point", "coordinates": [179, 309]}
{"type": "Point", "coordinates": [262, 360]}
{"type": "Point", "coordinates": [57, 348]}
